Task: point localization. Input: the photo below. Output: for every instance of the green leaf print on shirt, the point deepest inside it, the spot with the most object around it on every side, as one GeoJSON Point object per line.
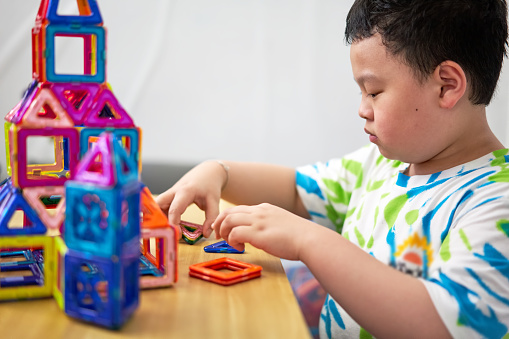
{"type": "Point", "coordinates": [337, 192]}
{"type": "Point", "coordinates": [503, 226]}
{"type": "Point", "coordinates": [445, 251]}
{"type": "Point", "coordinates": [500, 160]}
{"type": "Point", "coordinates": [393, 208]}
{"type": "Point", "coordinates": [412, 217]}
{"type": "Point", "coordinates": [355, 168]}
{"type": "Point", "coordinates": [360, 238]}
{"type": "Point", "coordinates": [336, 217]}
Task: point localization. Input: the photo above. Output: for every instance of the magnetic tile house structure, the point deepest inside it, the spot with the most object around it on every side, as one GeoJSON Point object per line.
{"type": "Point", "coordinates": [91, 234]}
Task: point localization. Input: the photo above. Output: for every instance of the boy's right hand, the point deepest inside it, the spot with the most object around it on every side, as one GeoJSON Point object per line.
{"type": "Point", "coordinates": [202, 185]}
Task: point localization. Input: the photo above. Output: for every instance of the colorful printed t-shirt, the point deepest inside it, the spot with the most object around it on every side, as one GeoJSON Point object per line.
{"type": "Point", "coordinates": [449, 229]}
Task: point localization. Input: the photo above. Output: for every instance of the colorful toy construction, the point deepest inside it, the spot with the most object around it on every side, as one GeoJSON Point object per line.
{"type": "Point", "coordinates": [71, 228]}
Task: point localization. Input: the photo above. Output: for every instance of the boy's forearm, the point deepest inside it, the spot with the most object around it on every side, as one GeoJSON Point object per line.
{"type": "Point", "coordinates": [384, 301]}
{"type": "Point", "coordinates": [252, 183]}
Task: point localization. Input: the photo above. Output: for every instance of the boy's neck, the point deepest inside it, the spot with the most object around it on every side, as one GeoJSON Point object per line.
{"type": "Point", "coordinates": [476, 141]}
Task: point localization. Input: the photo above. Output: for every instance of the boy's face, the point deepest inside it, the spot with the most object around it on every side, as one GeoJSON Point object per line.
{"type": "Point", "coordinates": [402, 115]}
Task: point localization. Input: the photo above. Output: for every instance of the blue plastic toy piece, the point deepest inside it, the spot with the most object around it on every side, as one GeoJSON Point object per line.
{"type": "Point", "coordinates": [221, 247]}
{"type": "Point", "coordinates": [94, 18]}
{"type": "Point", "coordinates": [103, 291]}
{"type": "Point", "coordinates": [29, 264]}
{"type": "Point", "coordinates": [131, 133]}
{"type": "Point", "coordinates": [12, 200]}
{"type": "Point", "coordinates": [103, 221]}
{"type": "Point", "coordinates": [52, 31]}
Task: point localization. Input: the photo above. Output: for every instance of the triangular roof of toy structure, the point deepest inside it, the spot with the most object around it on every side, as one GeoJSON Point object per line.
{"type": "Point", "coordinates": [40, 108]}
{"type": "Point", "coordinates": [106, 111]}
{"type": "Point", "coordinates": [153, 216]}
{"type": "Point", "coordinates": [12, 200]}
{"type": "Point", "coordinates": [77, 99]}
{"type": "Point", "coordinates": [107, 163]}
{"type": "Point", "coordinates": [88, 10]}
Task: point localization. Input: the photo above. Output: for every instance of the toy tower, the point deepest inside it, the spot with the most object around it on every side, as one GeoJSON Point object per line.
{"type": "Point", "coordinates": [89, 263]}
{"type": "Point", "coordinates": [102, 232]}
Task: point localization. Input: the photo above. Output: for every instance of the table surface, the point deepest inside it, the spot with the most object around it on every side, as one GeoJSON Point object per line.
{"type": "Point", "coordinates": [264, 307]}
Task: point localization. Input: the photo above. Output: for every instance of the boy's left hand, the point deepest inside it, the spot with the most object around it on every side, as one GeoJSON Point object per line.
{"type": "Point", "coordinates": [265, 226]}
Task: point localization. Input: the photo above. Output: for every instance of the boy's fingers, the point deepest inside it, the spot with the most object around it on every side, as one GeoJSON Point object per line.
{"type": "Point", "coordinates": [239, 236]}
{"type": "Point", "coordinates": [211, 213]}
{"type": "Point", "coordinates": [177, 208]}
{"type": "Point", "coordinates": [164, 200]}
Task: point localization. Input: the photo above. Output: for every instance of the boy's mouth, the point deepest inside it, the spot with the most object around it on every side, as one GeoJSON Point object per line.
{"type": "Point", "coordinates": [372, 138]}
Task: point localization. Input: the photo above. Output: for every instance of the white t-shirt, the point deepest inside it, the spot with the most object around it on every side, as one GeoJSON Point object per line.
{"type": "Point", "coordinates": [449, 229]}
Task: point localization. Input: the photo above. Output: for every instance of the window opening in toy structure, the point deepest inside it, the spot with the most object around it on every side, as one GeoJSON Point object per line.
{"type": "Point", "coordinates": [108, 112]}
{"type": "Point", "coordinates": [76, 98]}
{"type": "Point", "coordinates": [46, 112]}
{"type": "Point", "coordinates": [50, 202]}
{"type": "Point", "coordinates": [19, 220]}
{"type": "Point", "coordinates": [73, 8]}
{"type": "Point", "coordinates": [70, 55]}
{"type": "Point", "coordinates": [21, 267]}
{"type": "Point", "coordinates": [153, 249]}
{"type": "Point", "coordinates": [91, 287]}
{"type": "Point", "coordinates": [46, 157]}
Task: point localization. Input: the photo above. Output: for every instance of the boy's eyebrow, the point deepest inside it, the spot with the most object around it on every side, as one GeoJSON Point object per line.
{"type": "Point", "coordinates": [367, 77]}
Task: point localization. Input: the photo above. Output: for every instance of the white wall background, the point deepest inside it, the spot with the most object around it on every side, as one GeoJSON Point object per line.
{"type": "Point", "coordinates": [260, 80]}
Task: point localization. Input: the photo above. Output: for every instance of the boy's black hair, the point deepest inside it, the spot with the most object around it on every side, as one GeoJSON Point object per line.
{"type": "Point", "coordinates": [472, 33]}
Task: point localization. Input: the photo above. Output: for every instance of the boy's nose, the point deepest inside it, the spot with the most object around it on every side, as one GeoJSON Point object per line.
{"type": "Point", "coordinates": [365, 111]}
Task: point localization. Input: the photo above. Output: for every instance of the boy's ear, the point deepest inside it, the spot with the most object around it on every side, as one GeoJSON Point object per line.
{"type": "Point", "coordinates": [453, 82]}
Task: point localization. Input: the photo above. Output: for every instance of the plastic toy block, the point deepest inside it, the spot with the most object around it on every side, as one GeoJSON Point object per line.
{"type": "Point", "coordinates": [22, 106]}
{"type": "Point", "coordinates": [94, 46]}
{"type": "Point", "coordinates": [152, 215]}
{"type": "Point", "coordinates": [221, 247]}
{"type": "Point", "coordinates": [212, 271]}
{"type": "Point", "coordinates": [76, 98]}
{"type": "Point", "coordinates": [29, 176]}
{"type": "Point", "coordinates": [29, 279]}
{"type": "Point", "coordinates": [161, 257]}
{"type": "Point", "coordinates": [18, 261]}
{"type": "Point", "coordinates": [7, 127]}
{"type": "Point", "coordinates": [34, 196]}
{"type": "Point", "coordinates": [102, 221]}
{"type": "Point", "coordinates": [43, 110]}
{"type": "Point", "coordinates": [107, 163]}
{"type": "Point", "coordinates": [106, 111]}
{"type": "Point", "coordinates": [12, 201]}
{"type": "Point", "coordinates": [88, 14]}
{"type": "Point", "coordinates": [54, 169]}
{"type": "Point", "coordinates": [60, 250]}
{"type": "Point", "coordinates": [129, 137]}
{"type": "Point", "coordinates": [38, 46]}
{"type": "Point", "coordinates": [103, 291]}
{"type": "Point", "coordinates": [191, 232]}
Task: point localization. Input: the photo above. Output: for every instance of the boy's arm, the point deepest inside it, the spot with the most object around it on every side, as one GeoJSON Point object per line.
{"type": "Point", "coordinates": [255, 183]}
{"type": "Point", "coordinates": [384, 301]}
{"type": "Point", "coordinates": [237, 182]}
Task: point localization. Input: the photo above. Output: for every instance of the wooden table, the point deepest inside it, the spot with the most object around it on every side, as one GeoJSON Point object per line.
{"type": "Point", "coordinates": [264, 307]}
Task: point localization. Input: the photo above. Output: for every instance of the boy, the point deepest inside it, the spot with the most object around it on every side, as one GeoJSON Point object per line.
{"type": "Point", "coordinates": [423, 212]}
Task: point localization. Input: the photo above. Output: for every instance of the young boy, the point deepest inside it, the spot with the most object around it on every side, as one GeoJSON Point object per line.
{"type": "Point", "coordinates": [423, 212]}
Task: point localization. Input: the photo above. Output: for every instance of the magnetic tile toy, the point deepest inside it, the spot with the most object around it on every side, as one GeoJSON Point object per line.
{"type": "Point", "coordinates": [212, 271]}
{"type": "Point", "coordinates": [221, 247]}
{"type": "Point", "coordinates": [191, 232]}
